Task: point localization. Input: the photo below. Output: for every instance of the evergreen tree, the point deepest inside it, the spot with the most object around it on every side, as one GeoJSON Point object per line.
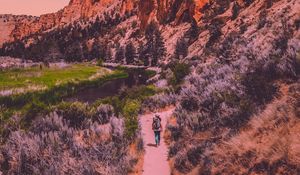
{"type": "Point", "coordinates": [85, 51]}
{"type": "Point", "coordinates": [18, 49]}
{"type": "Point", "coordinates": [155, 48]}
{"type": "Point", "coordinates": [98, 50]}
{"type": "Point", "coordinates": [36, 51]}
{"type": "Point", "coordinates": [159, 51]}
{"type": "Point", "coordinates": [97, 24]}
{"type": "Point", "coordinates": [95, 49]}
{"type": "Point", "coordinates": [108, 55]}
{"type": "Point", "coordinates": [2, 51]}
{"type": "Point", "coordinates": [103, 51]}
{"type": "Point", "coordinates": [269, 3]}
{"type": "Point", "coordinates": [119, 57]}
{"type": "Point", "coordinates": [74, 52]}
{"type": "Point", "coordinates": [143, 57]}
{"type": "Point", "coordinates": [193, 31]}
{"type": "Point", "coordinates": [130, 53]}
{"type": "Point", "coordinates": [248, 2]}
{"type": "Point", "coordinates": [181, 49]}
{"type": "Point", "coordinates": [235, 11]}
{"type": "Point", "coordinates": [52, 50]}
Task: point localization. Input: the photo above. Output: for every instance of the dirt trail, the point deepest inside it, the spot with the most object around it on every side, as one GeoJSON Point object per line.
{"type": "Point", "coordinates": [155, 159]}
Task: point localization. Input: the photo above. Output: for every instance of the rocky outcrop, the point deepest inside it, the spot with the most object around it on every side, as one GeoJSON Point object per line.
{"type": "Point", "coordinates": [162, 11]}
{"type": "Point", "coordinates": [128, 6]}
{"type": "Point", "coordinates": [170, 10]}
{"type": "Point", "coordinates": [17, 27]}
{"type": "Point", "coordinates": [9, 23]}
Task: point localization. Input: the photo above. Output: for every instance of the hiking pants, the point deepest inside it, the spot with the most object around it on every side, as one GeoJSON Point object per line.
{"type": "Point", "coordinates": [157, 137]}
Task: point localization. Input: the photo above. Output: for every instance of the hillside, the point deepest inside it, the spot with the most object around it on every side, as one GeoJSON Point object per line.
{"type": "Point", "coordinates": [231, 66]}
{"type": "Point", "coordinates": [23, 26]}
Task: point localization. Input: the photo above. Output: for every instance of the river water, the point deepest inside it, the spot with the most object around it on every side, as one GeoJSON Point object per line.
{"type": "Point", "coordinates": [136, 77]}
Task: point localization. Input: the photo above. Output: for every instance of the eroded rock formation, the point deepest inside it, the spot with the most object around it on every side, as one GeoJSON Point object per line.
{"type": "Point", "coordinates": [162, 11]}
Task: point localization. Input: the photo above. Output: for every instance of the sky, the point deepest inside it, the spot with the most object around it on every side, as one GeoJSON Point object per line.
{"type": "Point", "coordinates": [31, 7]}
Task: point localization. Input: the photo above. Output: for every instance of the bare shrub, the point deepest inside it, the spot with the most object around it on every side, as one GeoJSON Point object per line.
{"type": "Point", "coordinates": [54, 146]}
{"type": "Point", "coordinates": [181, 163]}
{"type": "Point", "coordinates": [159, 101]}
{"type": "Point", "coordinates": [75, 113]}
{"type": "Point", "coordinates": [103, 113]}
{"type": "Point", "coordinates": [117, 125]}
{"type": "Point", "coordinates": [176, 132]}
{"type": "Point", "coordinates": [267, 145]}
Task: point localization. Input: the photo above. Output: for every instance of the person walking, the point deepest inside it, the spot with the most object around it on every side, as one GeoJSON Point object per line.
{"type": "Point", "coordinates": [157, 128]}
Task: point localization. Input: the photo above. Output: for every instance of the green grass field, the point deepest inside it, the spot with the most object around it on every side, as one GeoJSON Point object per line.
{"type": "Point", "coordinates": [59, 82]}
{"type": "Point", "coordinates": [48, 77]}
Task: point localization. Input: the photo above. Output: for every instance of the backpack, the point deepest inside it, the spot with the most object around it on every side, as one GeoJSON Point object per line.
{"type": "Point", "coordinates": [156, 125]}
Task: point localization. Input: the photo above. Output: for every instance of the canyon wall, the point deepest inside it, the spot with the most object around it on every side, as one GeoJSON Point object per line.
{"type": "Point", "coordinates": [16, 27]}
{"type": "Point", "coordinates": [162, 11]}
{"type": "Point", "coordinates": [165, 11]}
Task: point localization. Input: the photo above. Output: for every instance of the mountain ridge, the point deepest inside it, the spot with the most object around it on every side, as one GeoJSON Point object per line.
{"type": "Point", "coordinates": [159, 11]}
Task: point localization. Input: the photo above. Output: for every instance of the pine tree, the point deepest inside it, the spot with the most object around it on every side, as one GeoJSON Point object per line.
{"type": "Point", "coordinates": [159, 51]}
{"type": "Point", "coordinates": [130, 53]}
{"type": "Point", "coordinates": [19, 48]}
{"type": "Point", "coordinates": [248, 2]}
{"type": "Point", "coordinates": [142, 55]}
{"type": "Point", "coordinates": [95, 49]}
{"type": "Point", "coordinates": [2, 51]}
{"type": "Point", "coordinates": [103, 51]}
{"type": "Point", "coordinates": [235, 11]}
{"type": "Point", "coordinates": [193, 31]}
{"type": "Point", "coordinates": [155, 48]}
{"type": "Point", "coordinates": [98, 50]}
{"type": "Point", "coordinates": [85, 51]}
{"type": "Point", "coordinates": [74, 52]}
{"type": "Point", "coordinates": [53, 50]}
{"type": "Point", "coordinates": [108, 55]}
{"type": "Point", "coordinates": [181, 49]}
{"type": "Point", "coordinates": [119, 57]}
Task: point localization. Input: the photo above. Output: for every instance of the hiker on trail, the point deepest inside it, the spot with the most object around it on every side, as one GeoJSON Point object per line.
{"type": "Point", "coordinates": [157, 128]}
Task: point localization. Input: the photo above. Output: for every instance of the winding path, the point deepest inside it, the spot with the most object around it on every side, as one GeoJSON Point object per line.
{"type": "Point", "coordinates": [156, 158]}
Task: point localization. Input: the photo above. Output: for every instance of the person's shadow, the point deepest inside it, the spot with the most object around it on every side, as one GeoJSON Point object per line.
{"type": "Point", "coordinates": [151, 144]}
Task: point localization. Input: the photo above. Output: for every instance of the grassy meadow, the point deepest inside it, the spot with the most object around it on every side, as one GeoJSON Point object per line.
{"type": "Point", "coordinates": [43, 78]}
{"type": "Point", "coordinates": [58, 84]}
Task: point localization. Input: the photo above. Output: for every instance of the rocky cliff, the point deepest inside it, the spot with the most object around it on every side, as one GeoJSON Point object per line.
{"type": "Point", "coordinates": [17, 27]}
{"type": "Point", "coordinates": [165, 11]}
{"type": "Point", "coordinates": [162, 11]}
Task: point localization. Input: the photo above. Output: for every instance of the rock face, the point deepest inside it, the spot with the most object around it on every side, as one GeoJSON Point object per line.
{"type": "Point", "coordinates": [9, 24]}
{"type": "Point", "coordinates": [170, 10]}
{"type": "Point", "coordinates": [162, 11]}
{"type": "Point", "coordinates": [84, 9]}
{"type": "Point", "coordinates": [17, 27]}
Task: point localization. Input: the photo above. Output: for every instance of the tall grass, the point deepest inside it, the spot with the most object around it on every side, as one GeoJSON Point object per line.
{"type": "Point", "coordinates": [47, 77]}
